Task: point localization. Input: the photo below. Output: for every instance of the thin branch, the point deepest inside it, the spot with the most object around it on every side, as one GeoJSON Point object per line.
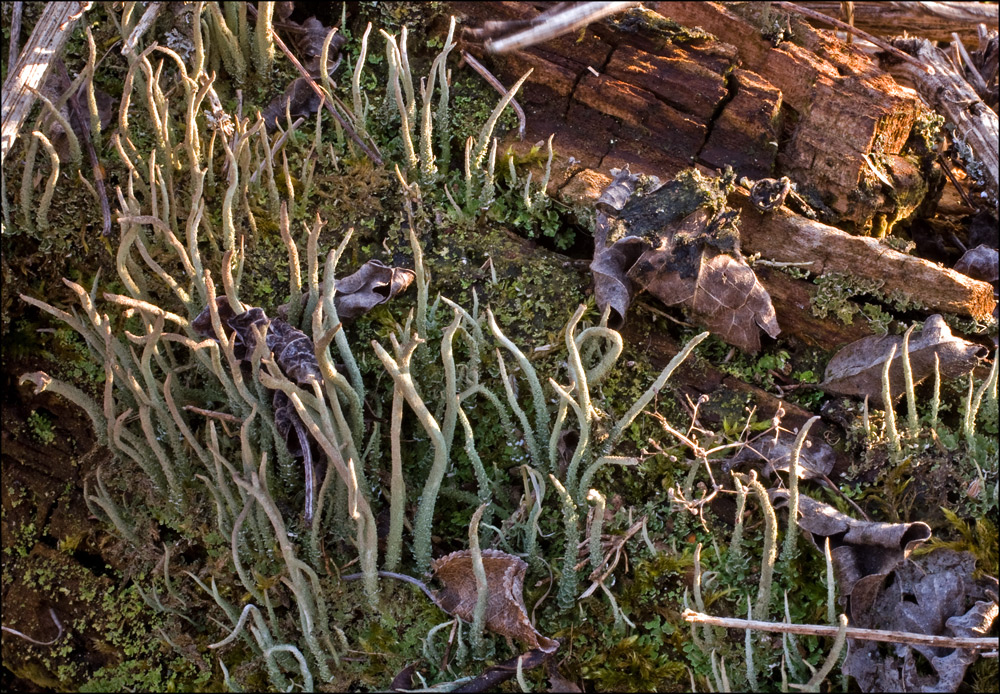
{"type": "Point", "coordinates": [399, 577]}
{"type": "Point", "coordinates": [975, 78]}
{"type": "Point", "coordinates": [373, 155]}
{"type": "Point", "coordinates": [24, 636]}
{"type": "Point", "coordinates": [852, 632]}
{"type": "Point", "coordinates": [15, 33]}
{"type": "Point", "coordinates": [549, 25]}
{"type": "Point", "coordinates": [95, 163]}
{"type": "Point", "coordinates": [498, 85]}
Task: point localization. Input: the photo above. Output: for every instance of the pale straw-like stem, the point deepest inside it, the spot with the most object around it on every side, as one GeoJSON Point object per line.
{"type": "Point", "coordinates": [793, 489]}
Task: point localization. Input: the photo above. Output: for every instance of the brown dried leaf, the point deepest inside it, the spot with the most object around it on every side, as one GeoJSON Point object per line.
{"type": "Point", "coordinates": [293, 351]}
{"type": "Point", "coordinates": [617, 194]}
{"type": "Point", "coordinates": [816, 459]}
{"type": "Point", "coordinates": [857, 368]}
{"type": "Point", "coordinates": [610, 267]}
{"type": "Point", "coordinates": [863, 552]}
{"type": "Point", "coordinates": [935, 594]}
{"type": "Point", "coordinates": [403, 681]}
{"type": "Point", "coordinates": [679, 242]}
{"type": "Point", "coordinates": [374, 283]}
{"type": "Point", "coordinates": [301, 101]}
{"type": "Point", "coordinates": [719, 289]}
{"type": "Point", "coordinates": [310, 44]}
{"type": "Point", "coordinates": [613, 258]}
{"type": "Point", "coordinates": [283, 10]}
{"type": "Point", "coordinates": [299, 96]}
{"type": "Point", "coordinates": [55, 86]}
{"type": "Point", "coordinates": [310, 40]}
{"type": "Point", "coordinates": [505, 612]}
{"type": "Point", "coordinates": [980, 263]}
{"type": "Point", "coordinates": [558, 683]}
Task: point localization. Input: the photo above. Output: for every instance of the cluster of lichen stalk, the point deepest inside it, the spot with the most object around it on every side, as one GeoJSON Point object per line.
{"type": "Point", "coordinates": [705, 638]}
{"type": "Point", "coordinates": [167, 391]}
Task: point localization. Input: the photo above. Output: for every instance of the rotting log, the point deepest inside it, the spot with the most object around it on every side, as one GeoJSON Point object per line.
{"type": "Point", "coordinates": [746, 132]}
{"type": "Point", "coordinates": [947, 91]}
{"type": "Point", "coordinates": [783, 236]}
{"type": "Point", "coordinates": [839, 106]}
{"type": "Point", "coordinates": [932, 20]}
{"type": "Point", "coordinates": [793, 300]}
{"type": "Point", "coordinates": [45, 45]}
{"type": "Point", "coordinates": [657, 92]}
{"type": "Point", "coordinates": [845, 105]}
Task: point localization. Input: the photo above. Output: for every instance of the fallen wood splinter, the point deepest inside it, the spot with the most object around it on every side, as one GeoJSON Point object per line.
{"type": "Point", "coordinates": [852, 632]}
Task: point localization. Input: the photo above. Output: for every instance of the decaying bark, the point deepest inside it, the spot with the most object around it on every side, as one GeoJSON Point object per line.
{"type": "Point", "coordinates": [46, 43]}
{"type": "Point", "coordinates": [663, 97]}
{"type": "Point", "coordinates": [653, 90]}
{"type": "Point", "coordinates": [844, 105]}
{"type": "Point", "coordinates": [787, 237]}
{"type": "Point", "coordinates": [793, 301]}
{"type": "Point", "coordinates": [932, 20]}
{"type": "Point", "coordinates": [952, 96]}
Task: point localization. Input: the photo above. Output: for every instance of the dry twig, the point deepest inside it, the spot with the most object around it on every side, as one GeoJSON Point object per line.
{"type": "Point", "coordinates": [47, 39]}
{"type": "Point", "coordinates": [498, 85]}
{"type": "Point", "coordinates": [372, 154]}
{"type": "Point", "coordinates": [852, 632]}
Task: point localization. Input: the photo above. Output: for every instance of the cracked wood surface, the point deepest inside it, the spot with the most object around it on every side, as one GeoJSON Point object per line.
{"type": "Point", "coordinates": [644, 89]}
{"type": "Point", "coordinates": [664, 99]}
{"type": "Point", "coordinates": [844, 104]}
{"type": "Point", "coordinates": [46, 43]}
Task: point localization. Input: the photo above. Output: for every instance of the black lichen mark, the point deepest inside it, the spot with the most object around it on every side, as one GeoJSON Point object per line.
{"type": "Point", "coordinates": [769, 193]}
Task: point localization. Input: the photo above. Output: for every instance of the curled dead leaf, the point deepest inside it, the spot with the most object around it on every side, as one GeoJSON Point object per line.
{"type": "Point", "coordinates": [492, 677]}
{"type": "Point", "coordinates": [505, 612]}
{"type": "Point", "coordinates": [980, 263]}
{"type": "Point", "coordinates": [293, 351]}
{"type": "Point", "coordinates": [863, 552]}
{"type": "Point", "coordinates": [403, 681]}
{"type": "Point", "coordinates": [935, 594]}
{"type": "Point", "coordinates": [857, 368]}
{"type": "Point", "coordinates": [55, 87]}
{"type": "Point", "coordinates": [680, 243]}
{"type": "Point", "coordinates": [618, 192]}
{"type": "Point", "coordinates": [613, 256]}
{"type": "Point", "coordinates": [299, 98]}
{"type": "Point", "coordinates": [310, 40]}
{"type": "Point", "coordinates": [372, 284]}
{"type": "Point", "coordinates": [283, 10]}
{"type": "Point", "coordinates": [816, 459]}
{"type": "Point", "coordinates": [769, 193]}
{"type": "Point", "coordinates": [610, 267]}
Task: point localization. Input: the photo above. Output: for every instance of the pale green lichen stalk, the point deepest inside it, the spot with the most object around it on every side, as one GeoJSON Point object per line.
{"type": "Point", "coordinates": [244, 483]}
